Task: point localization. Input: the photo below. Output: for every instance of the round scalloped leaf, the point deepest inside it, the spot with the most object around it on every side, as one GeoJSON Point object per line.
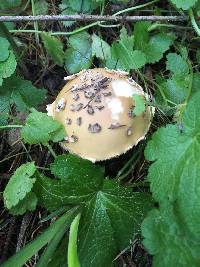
{"type": "Point", "coordinates": [184, 4]}
{"type": "Point", "coordinates": [7, 68]}
{"type": "Point", "coordinates": [7, 4]}
{"type": "Point", "coordinates": [4, 51]}
{"type": "Point", "coordinates": [19, 185]}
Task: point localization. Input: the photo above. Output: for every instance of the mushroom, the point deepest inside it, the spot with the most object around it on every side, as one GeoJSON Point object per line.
{"type": "Point", "coordinates": [100, 118]}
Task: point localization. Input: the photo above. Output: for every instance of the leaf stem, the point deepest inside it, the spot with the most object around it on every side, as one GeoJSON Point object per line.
{"type": "Point", "coordinates": [128, 172]}
{"type": "Point", "coordinates": [58, 33]}
{"type": "Point", "coordinates": [35, 22]}
{"type": "Point", "coordinates": [127, 165]}
{"type": "Point", "coordinates": [159, 25]}
{"type": "Point", "coordinates": [102, 7]}
{"type": "Point", "coordinates": [194, 23]}
{"type": "Point", "coordinates": [191, 81]}
{"type": "Point", "coordinates": [141, 183]}
{"type": "Point", "coordinates": [50, 149]}
{"type": "Point", "coordinates": [11, 126]}
{"type": "Point", "coordinates": [135, 7]}
{"type": "Point", "coordinates": [109, 26]}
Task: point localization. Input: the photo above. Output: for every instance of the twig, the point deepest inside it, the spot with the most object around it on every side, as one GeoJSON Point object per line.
{"type": "Point", "coordinates": [24, 225]}
{"type": "Point", "coordinates": [10, 126]}
{"type": "Point", "coordinates": [83, 17]}
{"type": "Point", "coordinates": [50, 150]}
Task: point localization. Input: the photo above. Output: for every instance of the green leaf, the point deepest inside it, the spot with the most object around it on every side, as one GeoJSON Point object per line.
{"type": "Point", "coordinates": [4, 108]}
{"type": "Point", "coordinates": [21, 257]}
{"type": "Point", "coordinates": [123, 54]}
{"type": "Point", "coordinates": [71, 7]}
{"type": "Point", "coordinates": [128, 59]}
{"type": "Point", "coordinates": [141, 35]}
{"type": "Point", "coordinates": [67, 166]}
{"type": "Point", "coordinates": [109, 207]}
{"type": "Point", "coordinates": [59, 258]}
{"type": "Point", "coordinates": [139, 104]}
{"type": "Point", "coordinates": [167, 241]}
{"type": "Point", "coordinates": [75, 61]}
{"type": "Point", "coordinates": [195, 82]}
{"type": "Point", "coordinates": [6, 4]}
{"type": "Point", "coordinates": [177, 65]}
{"type": "Point", "coordinates": [185, 5]}
{"type": "Point", "coordinates": [79, 182]}
{"type": "Point", "coordinates": [138, 59]}
{"type": "Point", "coordinates": [41, 7]}
{"type": "Point", "coordinates": [19, 185]}
{"type": "Point", "coordinates": [105, 204]}
{"type": "Point", "coordinates": [109, 221]}
{"type": "Point", "coordinates": [79, 57]}
{"type": "Point", "coordinates": [54, 48]}
{"type": "Point", "coordinates": [176, 88]}
{"type": "Point", "coordinates": [85, 6]}
{"type": "Point", "coordinates": [7, 68]}
{"type": "Point", "coordinates": [22, 93]}
{"type": "Point", "coordinates": [40, 128]}
{"type": "Point", "coordinates": [4, 51]}
{"type": "Point", "coordinates": [100, 48]}
{"type": "Point", "coordinates": [174, 175]}
{"type": "Point", "coordinates": [73, 260]}
{"type": "Point", "coordinates": [66, 10]}
{"type": "Point", "coordinates": [198, 56]}
{"type": "Point", "coordinates": [9, 26]}
{"type": "Point", "coordinates": [84, 37]}
{"type": "Point", "coordinates": [78, 6]}
{"type": "Point", "coordinates": [157, 46]}
{"type": "Point", "coordinates": [97, 244]}
{"type": "Point", "coordinates": [126, 40]}
{"type": "Point", "coordinates": [28, 203]}
{"type": "Point", "coordinates": [152, 46]}
{"type": "Point", "coordinates": [113, 63]}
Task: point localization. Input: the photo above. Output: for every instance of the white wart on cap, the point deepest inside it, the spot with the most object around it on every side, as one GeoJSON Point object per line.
{"type": "Point", "coordinates": [95, 106]}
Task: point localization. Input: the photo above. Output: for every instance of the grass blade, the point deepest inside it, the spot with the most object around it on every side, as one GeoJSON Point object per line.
{"type": "Point", "coordinates": [20, 258]}
{"type": "Point", "coordinates": [73, 260]}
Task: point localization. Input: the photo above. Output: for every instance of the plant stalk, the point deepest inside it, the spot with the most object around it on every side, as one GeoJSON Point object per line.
{"type": "Point", "coordinates": [35, 22]}
{"type": "Point", "coordinates": [15, 48]}
{"type": "Point", "coordinates": [194, 23]}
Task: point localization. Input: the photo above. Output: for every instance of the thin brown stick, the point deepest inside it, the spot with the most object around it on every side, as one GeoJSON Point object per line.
{"type": "Point", "coordinates": [24, 224]}
{"type": "Point", "coordinates": [83, 17]}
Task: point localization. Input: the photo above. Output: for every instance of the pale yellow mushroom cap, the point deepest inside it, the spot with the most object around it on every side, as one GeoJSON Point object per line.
{"type": "Point", "coordinates": [95, 107]}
